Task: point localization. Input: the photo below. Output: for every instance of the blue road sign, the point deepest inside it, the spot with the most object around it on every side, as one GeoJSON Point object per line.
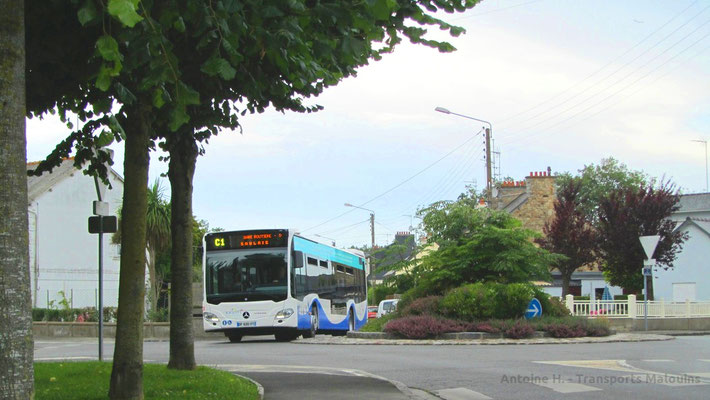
{"type": "Point", "coordinates": [534, 309]}
{"type": "Point", "coordinates": [646, 271]}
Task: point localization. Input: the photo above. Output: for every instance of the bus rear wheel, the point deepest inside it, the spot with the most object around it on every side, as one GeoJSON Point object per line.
{"type": "Point", "coordinates": [314, 324]}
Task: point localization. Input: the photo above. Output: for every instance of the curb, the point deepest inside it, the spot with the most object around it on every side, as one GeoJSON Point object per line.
{"type": "Point", "coordinates": [259, 388]}
{"type": "Point", "coordinates": [379, 338]}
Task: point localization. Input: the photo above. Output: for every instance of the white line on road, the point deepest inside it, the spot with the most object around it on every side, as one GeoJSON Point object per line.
{"type": "Point", "coordinates": [460, 394]}
{"type": "Point", "coordinates": [567, 387]}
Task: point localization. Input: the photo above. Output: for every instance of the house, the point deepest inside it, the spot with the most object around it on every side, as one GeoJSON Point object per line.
{"type": "Point", "coordinates": [402, 248]}
{"type": "Point", "coordinates": [689, 279]}
{"type": "Point", "coordinates": [532, 201]}
{"type": "Point", "coordinates": [63, 254]}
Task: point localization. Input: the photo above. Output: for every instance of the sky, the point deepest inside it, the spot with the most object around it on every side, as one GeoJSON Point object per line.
{"type": "Point", "coordinates": [564, 84]}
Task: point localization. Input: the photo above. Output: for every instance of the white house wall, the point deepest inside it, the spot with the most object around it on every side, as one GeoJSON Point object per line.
{"type": "Point", "coordinates": [691, 266]}
{"type": "Point", "coordinates": [67, 258]}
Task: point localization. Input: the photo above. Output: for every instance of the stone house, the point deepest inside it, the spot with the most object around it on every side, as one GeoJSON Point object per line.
{"type": "Point", "coordinates": [532, 201]}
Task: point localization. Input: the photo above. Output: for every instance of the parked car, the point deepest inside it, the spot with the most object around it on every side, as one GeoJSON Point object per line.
{"type": "Point", "coordinates": [386, 307]}
{"type": "Point", "coordinates": [371, 312]}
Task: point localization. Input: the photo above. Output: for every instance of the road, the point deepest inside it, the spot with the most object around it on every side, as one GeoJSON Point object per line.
{"type": "Point", "coordinates": [675, 369]}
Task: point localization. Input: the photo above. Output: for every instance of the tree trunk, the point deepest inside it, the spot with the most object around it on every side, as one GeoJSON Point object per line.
{"type": "Point", "coordinates": [183, 157]}
{"type": "Point", "coordinates": [566, 278]}
{"type": "Point", "coordinates": [127, 372]}
{"type": "Point", "coordinates": [16, 345]}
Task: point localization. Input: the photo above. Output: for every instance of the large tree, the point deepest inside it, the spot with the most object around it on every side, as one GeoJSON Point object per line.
{"type": "Point", "coordinates": [477, 245]}
{"type": "Point", "coordinates": [627, 214]}
{"type": "Point", "coordinates": [180, 70]}
{"type": "Point", "coordinates": [596, 182]}
{"type": "Point", "coordinates": [569, 233]}
{"type": "Point", "coordinates": [16, 344]}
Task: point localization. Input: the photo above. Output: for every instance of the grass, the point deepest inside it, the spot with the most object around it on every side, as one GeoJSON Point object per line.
{"type": "Point", "coordinates": [90, 380]}
{"type": "Point", "coordinates": [376, 324]}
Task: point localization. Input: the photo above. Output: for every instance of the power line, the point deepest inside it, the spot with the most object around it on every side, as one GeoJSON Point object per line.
{"type": "Point", "coordinates": [398, 185]}
{"type": "Point", "coordinates": [502, 123]}
{"type": "Point", "coordinates": [514, 136]}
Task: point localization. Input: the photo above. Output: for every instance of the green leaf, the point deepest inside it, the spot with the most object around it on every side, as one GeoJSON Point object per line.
{"type": "Point", "coordinates": [87, 13]}
{"type": "Point", "coordinates": [178, 117]}
{"type": "Point", "coordinates": [158, 100]}
{"type": "Point", "coordinates": [105, 138]}
{"type": "Point", "coordinates": [219, 66]}
{"type": "Point", "coordinates": [108, 47]}
{"type": "Point", "coordinates": [103, 80]}
{"type": "Point", "coordinates": [187, 95]}
{"type": "Point", "coordinates": [125, 11]}
{"type": "Point", "coordinates": [179, 25]}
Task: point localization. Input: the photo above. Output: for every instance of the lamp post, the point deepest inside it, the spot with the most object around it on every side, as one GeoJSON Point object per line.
{"type": "Point", "coordinates": [325, 237]}
{"type": "Point", "coordinates": [706, 162]}
{"type": "Point", "coordinates": [372, 221]}
{"type": "Point", "coordinates": [489, 132]}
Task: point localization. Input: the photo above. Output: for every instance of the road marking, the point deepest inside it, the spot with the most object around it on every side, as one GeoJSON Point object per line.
{"type": "Point", "coordinates": [705, 360]}
{"type": "Point", "coordinates": [612, 365]}
{"type": "Point", "coordinates": [461, 394]}
{"type": "Point", "coordinates": [656, 360]}
{"type": "Point", "coordinates": [567, 387]}
{"type": "Point", "coordinates": [700, 374]}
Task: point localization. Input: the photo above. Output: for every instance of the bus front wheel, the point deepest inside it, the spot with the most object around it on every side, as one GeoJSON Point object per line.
{"type": "Point", "coordinates": [233, 338]}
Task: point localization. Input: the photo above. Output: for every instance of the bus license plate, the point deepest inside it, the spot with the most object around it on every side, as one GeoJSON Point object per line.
{"type": "Point", "coordinates": [250, 323]}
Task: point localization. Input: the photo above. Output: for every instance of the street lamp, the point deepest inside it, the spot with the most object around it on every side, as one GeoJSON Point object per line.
{"type": "Point", "coordinates": [489, 132]}
{"type": "Point", "coordinates": [372, 221]}
{"type": "Point", "coordinates": [706, 161]}
{"type": "Point", "coordinates": [326, 237]}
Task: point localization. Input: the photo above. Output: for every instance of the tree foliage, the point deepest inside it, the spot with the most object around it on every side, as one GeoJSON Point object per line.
{"type": "Point", "coordinates": [569, 233]}
{"type": "Point", "coordinates": [597, 182]}
{"type": "Point", "coordinates": [477, 245]}
{"type": "Point", "coordinates": [627, 214]}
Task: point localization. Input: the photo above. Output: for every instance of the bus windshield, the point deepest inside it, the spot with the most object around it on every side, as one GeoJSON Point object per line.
{"type": "Point", "coordinates": [246, 275]}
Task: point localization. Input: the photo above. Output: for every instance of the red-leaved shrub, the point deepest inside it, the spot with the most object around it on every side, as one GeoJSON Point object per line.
{"type": "Point", "coordinates": [423, 306]}
{"type": "Point", "coordinates": [565, 331]}
{"type": "Point", "coordinates": [421, 327]}
{"type": "Point", "coordinates": [481, 327]}
{"type": "Point", "coordinates": [519, 330]}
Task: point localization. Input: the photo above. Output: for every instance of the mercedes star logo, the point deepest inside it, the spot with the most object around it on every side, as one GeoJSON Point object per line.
{"type": "Point", "coordinates": [245, 315]}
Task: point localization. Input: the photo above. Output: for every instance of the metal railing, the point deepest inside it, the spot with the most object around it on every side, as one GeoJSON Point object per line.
{"type": "Point", "coordinates": [631, 308]}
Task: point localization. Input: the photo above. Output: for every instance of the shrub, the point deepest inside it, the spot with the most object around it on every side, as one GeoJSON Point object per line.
{"type": "Point", "coordinates": [422, 306]}
{"type": "Point", "coordinates": [597, 327]}
{"type": "Point", "coordinates": [481, 327]}
{"type": "Point", "coordinates": [376, 324]}
{"type": "Point", "coordinates": [471, 302]}
{"type": "Point", "coordinates": [519, 330]}
{"type": "Point", "coordinates": [565, 331]}
{"type": "Point", "coordinates": [422, 326]}
{"type": "Point", "coordinates": [556, 308]}
{"type": "Point", "coordinates": [512, 299]}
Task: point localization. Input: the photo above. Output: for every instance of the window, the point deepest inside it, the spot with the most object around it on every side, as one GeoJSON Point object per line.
{"type": "Point", "coordinates": [312, 261]}
{"type": "Point", "coordinates": [324, 264]}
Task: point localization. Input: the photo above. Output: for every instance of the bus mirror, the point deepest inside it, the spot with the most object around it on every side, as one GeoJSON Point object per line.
{"type": "Point", "coordinates": [298, 259]}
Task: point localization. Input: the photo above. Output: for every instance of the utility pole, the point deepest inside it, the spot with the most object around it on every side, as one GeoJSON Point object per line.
{"type": "Point", "coordinates": [489, 174]}
{"type": "Point", "coordinates": [372, 228]}
{"type": "Point", "coordinates": [705, 142]}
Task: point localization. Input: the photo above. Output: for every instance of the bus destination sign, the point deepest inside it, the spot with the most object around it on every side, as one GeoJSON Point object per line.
{"type": "Point", "coordinates": [247, 239]}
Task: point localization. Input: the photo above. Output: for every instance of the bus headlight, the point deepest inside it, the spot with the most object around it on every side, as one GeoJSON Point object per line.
{"type": "Point", "coordinates": [283, 314]}
{"type": "Point", "coordinates": [209, 317]}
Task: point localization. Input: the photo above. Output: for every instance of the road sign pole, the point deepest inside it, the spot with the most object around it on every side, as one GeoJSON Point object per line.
{"type": "Point", "coordinates": [645, 304]}
{"type": "Point", "coordinates": [101, 291]}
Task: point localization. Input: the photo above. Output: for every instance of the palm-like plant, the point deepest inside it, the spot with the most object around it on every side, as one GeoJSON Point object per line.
{"type": "Point", "coordinates": [157, 235]}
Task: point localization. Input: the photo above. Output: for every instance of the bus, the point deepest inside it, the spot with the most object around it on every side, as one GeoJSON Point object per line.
{"type": "Point", "coordinates": [277, 282]}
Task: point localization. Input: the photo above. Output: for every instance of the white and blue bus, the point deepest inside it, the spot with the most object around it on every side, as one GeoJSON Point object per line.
{"type": "Point", "coordinates": [276, 282]}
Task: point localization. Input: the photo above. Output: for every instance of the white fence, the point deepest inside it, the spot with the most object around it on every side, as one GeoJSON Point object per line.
{"type": "Point", "coordinates": [631, 308]}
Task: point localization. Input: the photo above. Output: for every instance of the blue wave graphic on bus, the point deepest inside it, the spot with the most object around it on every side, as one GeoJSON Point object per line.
{"type": "Point", "coordinates": [304, 320]}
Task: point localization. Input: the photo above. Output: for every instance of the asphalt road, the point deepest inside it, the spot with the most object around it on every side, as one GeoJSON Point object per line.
{"type": "Point", "coordinates": [676, 369]}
